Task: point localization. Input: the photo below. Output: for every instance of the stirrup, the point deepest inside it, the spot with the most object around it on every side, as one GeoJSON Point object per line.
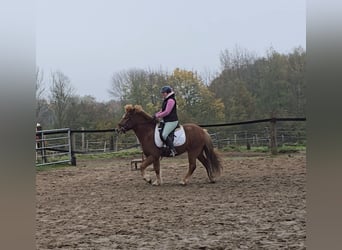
{"type": "Point", "coordinates": [173, 152]}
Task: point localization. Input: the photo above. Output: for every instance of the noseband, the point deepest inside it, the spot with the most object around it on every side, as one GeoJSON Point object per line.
{"type": "Point", "coordinates": [122, 129]}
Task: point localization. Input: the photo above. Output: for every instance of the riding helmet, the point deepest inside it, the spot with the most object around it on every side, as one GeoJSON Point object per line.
{"type": "Point", "coordinates": [166, 89]}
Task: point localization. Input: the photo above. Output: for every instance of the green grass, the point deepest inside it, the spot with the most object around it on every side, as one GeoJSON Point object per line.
{"type": "Point", "coordinates": [119, 154]}
{"type": "Point", "coordinates": [284, 149]}
{"type": "Point", "coordinates": [52, 166]}
{"type": "Point", "coordinates": [130, 153]}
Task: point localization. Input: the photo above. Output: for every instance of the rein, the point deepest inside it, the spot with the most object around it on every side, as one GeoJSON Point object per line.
{"type": "Point", "coordinates": [124, 128]}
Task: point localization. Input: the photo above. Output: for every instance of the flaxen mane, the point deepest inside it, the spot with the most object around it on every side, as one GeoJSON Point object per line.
{"type": "Point", "coordinates": [137, 109]}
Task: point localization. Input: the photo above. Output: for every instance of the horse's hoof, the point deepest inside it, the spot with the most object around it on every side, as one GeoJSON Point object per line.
{"type": "Point", "coordinates": [156, 183]}
{"type": "Point", "coordinates": [183, 183]}
{"type": "Point", "coordinates": [149, 180]}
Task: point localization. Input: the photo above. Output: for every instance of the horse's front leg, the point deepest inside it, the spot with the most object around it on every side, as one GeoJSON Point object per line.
{"type": "Point", "coordinates": [143, 167]}
{"type": "Point", "coordinates": [156, 166]}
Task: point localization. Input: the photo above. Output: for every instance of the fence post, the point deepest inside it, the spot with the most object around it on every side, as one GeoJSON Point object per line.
{"type": "Point", "coordinates": [111, 143]}
{"type": "Point", "coordinates": [273, 136]}
{"type": "Point", "coordinates": [40, 139]}
{"type": "Point", "coordinates": [116, 143]}
{"type": "Point", "coordinates": [248, 145]}
{"type": "Point", "coordinates": [72, 146]}
{"type": "Point", "coordinates": [82, 139]}
{"type": "Point", "coordinates": [43, 152]}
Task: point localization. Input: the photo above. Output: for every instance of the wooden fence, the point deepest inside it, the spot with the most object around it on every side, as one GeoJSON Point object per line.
{"type": "Point", "coordinates": [270, 137]}
{"type": "Point", "coordinates": [225, 134]}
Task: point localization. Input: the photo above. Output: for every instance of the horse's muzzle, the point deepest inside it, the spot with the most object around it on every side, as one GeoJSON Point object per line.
{"type": "Point", "coordinates": [121, 129]}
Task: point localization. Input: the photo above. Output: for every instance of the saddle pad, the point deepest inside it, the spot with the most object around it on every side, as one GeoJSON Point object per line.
{"type": "Point", "coordinates": [179, 137]}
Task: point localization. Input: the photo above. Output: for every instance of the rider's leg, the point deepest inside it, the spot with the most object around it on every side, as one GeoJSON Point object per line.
{"type": "Point", "coordinates": [169, 143]}
{"type": "Point", "coordinates": [168, 128]}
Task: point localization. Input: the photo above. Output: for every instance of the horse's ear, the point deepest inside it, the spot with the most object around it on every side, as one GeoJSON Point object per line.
{"type": "Point", "coordinates": [138, 108]}
{"type": "Point", "coordinates": [129, 108]}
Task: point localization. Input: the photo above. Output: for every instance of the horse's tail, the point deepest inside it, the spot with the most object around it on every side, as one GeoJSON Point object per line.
{"type": "Point", "coordinates": [214, 166]}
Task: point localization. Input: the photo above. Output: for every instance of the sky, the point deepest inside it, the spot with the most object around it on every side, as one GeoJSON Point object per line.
{"type": "Point", "coordinates": [89, 41]}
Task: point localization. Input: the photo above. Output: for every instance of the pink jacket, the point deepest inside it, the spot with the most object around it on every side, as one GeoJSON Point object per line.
{"type": "Point", "coordinates": [169, 106]}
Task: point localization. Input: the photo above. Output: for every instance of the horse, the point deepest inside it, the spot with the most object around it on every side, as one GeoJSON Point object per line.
{"type": "Point", "coordinates": [198, 145]}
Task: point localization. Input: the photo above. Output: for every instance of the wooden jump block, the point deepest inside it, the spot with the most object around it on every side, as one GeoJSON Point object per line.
{"type": "Point", "coordinates": [136, 161]}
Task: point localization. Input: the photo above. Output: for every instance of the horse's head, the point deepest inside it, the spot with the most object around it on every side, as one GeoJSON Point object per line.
{"type": "Point", "coordinates": [131, 118]}
{"type": "Point", "coordinates": [126, 122]}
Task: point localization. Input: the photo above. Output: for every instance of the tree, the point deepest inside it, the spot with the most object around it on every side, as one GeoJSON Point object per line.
{"type": "Point", "coordinates": [253, 87]}
{"type": "Point", "coordinates": [273, 94]}
{"type": "Point", "coordinates": [61, 96]}
{"type": "Point", "coordinates": [296, 76]}
{"type": "Point", "coordinates": [237, 61]}
{"type": "Point", "coordinates": [40, 101]}
{"type": "Point", "coordinates": [235, 83]}
{"type": "Point", "coordinates": [137, 86]}
{"type": "Point", "coordinates": [196, 103]}
{"type": "Point", "coordinates": [129, 86]}
{"type": "Point", "coordinates": [240, 103]}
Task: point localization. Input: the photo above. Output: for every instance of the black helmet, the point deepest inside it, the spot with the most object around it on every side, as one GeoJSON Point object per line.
{"type": "Point", "coordinates": [166, 89]}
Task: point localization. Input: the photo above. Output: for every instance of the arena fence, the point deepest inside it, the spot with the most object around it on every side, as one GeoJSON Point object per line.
{"type": "Point", "coordinates": [251, 133]}
{"type": "Point", "coordinates": [62, 145]}
{"type": "Point", "coordinates": [53, 146]}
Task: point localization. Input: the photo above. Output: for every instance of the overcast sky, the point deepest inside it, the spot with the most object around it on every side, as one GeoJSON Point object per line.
{"type": "Point", "coordinates": [90, 40]}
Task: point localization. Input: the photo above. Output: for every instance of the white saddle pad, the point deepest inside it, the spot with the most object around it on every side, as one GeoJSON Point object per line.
{"type": "Point", "coordinates": [179, 137]}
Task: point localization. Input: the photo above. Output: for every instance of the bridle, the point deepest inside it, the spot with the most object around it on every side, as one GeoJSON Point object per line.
{"type": "Point", "coordinates": [123, 128]}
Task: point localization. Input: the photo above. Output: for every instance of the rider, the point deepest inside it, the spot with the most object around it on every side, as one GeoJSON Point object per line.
{"type": "Point", "coordinates": [169, 114]}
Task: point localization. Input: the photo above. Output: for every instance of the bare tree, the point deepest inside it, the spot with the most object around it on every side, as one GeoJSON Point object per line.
{"type": "Point", "coordinates": [40, 88]}
{"type": "Point", "coordinates": [120, 85]}
{"type": "Point", "coordinates": [130, 86]}
{"type": "Point", "coordinates": [61, 97]}
{"type": "Point", "coordinates": [207, 76]}
{"type": "Point", "coordinates": [237, 58]}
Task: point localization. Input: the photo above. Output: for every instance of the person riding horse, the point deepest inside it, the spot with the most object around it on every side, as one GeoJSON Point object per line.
{"type": "Point", "coordinates": [198, 144]}
{"type": "Point", "coordinates": [169, 116]}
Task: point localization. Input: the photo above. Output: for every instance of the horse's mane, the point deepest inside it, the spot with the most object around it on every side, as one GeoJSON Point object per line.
{"type": "Point", "coordinates": [138, 109]}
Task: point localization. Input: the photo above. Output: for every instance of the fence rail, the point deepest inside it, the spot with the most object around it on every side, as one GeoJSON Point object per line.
{"type": "Point", "coordinates": [61, 145]}
{"type": "Point", "coordinates": [53, 149]}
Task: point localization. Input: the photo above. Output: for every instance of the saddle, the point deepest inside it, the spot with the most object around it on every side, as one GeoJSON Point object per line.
{"type": "Point", "coordinates": [171, 135]}
{"type": "Point", "coordinates": [178, 135]}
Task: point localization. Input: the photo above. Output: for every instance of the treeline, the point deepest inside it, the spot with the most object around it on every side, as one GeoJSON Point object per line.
{"type": "Point", "coordinates": [246, 87]}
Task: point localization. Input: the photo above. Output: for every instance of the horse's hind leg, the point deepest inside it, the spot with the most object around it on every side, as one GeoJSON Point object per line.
{"type": "Point", "coordinates": [192, 167]}
{"type": "Point", "coordinates": [206, 163]}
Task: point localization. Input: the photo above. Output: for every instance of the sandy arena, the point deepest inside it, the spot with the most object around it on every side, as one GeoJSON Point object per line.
{"type": "Point", "coordinates": [257, 203]}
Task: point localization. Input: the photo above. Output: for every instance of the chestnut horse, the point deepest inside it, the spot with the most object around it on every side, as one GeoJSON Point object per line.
{"type": "Point", "coordinates": [198, 144]}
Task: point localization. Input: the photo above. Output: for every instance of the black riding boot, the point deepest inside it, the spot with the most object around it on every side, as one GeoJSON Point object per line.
{"type": "Point", "coordinates": [169, 143]}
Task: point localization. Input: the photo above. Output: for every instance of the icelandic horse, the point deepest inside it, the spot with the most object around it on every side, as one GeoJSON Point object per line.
{"type": "Point", "coordinates": [198, 145]}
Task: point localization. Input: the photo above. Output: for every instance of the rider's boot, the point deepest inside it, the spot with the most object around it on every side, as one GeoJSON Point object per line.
{"type": "Point", "coordinates": [169, 143]}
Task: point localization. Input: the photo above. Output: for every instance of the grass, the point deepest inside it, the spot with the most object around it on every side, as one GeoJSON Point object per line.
{"type": "Point", "coordinates": [129, 153]}
{"type": "Point", "coordinates": [132, 153]}
{"type": "Point", "coordinates": [52, 166]}
{"type": "Point", "coordinates": [119, 154]}
{"type": "Point", "coordinates": [284, 149]}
